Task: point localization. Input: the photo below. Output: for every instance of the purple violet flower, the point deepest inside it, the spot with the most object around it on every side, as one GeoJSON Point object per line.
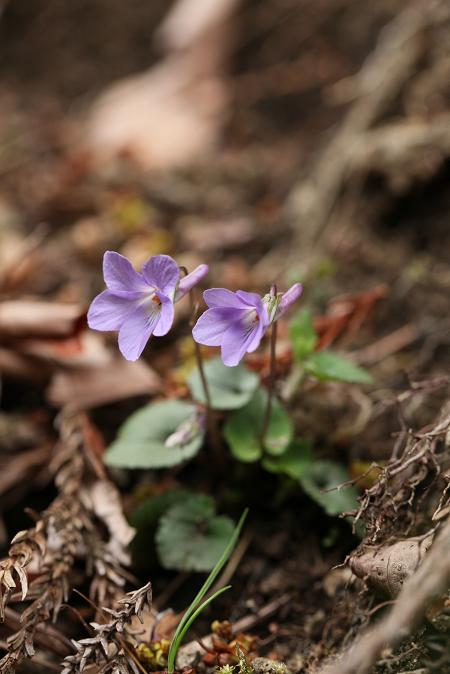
{"type": "Point", "coordinates": [139, 304]}
{"type": "Point", "coordinates": [237, 321]}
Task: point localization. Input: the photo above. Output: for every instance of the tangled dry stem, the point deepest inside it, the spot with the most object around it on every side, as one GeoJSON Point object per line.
{"type": "Point", "coordinates": [395, 504]}
{"type": "Point", "coordinates": [428, 583]}
{"type": "Point", "coordinates": [392, 506]}
{"type": "Point", "coordinates": [109, 648]}
{"type": "Point", "coordinates": [69, 529]}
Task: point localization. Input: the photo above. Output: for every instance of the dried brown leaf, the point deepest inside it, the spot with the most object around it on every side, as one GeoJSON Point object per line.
{"type": "Point", "coordinates": [386, 568]}
{"type": "Point", "coordinates": [113, 380]}
{"type": "Point", "coordinates": [26, 318]}
{"type": "Point", "coordinates": [103, 499]}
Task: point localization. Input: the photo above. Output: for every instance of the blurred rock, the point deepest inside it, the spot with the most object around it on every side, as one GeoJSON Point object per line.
{"type": "Point", "coordinates": [172, 114]}
{"type": "Point", "coordinates": [215, 236]}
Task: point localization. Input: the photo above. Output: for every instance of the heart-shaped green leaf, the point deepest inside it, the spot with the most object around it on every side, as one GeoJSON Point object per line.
{"type": "Point", "coordinates": [148, 513]}
{"type": "Point", "coordinates": [144, 519]}
{"type": "Point", "coordinates": [303, 335]}
{"type": "Point", "coordinates": [190, 536]}
{"type": "Point", "coordinates": [229, 387]}
{"type": "Point", "coordinates": [321, 476]}
{"type": "Point", "coordinates": [244, 427]}
{"type": "Point", "coordinates": [293, 462]}
{"type": "Point", "coordinates": [158, 435]}
{"type": "Point", "coordinates": [327, 366]}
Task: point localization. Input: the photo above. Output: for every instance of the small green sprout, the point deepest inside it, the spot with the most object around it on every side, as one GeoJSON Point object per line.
{"type": "Point", "coordinates": [154, 654]}
{"type": "Point", "coordinates": [196, 606]}
{"type": "Point", "coordinates": [225, 669]}
{"type": "Point", "coordinates": [243, 665]}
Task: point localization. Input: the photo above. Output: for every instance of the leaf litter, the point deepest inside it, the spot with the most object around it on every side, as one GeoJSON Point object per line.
{"type": "Point", "coordinates": [334, 171]}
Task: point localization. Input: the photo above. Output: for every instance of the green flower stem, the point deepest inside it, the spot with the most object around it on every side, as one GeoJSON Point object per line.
{"type": "Point", "coordinates": [211, 424]}
{"type": "Point", "coordinates": [272, 379]}
{"type": "Point", "coordinates": [201, 369]}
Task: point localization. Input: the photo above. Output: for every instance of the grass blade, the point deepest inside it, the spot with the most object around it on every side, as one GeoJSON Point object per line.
{"type": "Point", "coordinates": [179, 638]}
{"type": "Point", "coordinates": [191, 610]}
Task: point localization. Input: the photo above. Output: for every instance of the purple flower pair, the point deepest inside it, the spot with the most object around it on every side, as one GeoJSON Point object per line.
{"type": "Point", "coordinates": [140, 305]}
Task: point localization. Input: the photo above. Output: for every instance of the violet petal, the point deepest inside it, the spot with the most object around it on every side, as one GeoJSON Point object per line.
{"type": "Point", "coordinates": [191, 280]}
{"type": "Point", "coordinates": [212, 324]}
{"type": "Point", "coordinates": [252, 299]}
{"type": "Point", "coordinates": [258, 333]}
{"type": "Point", "coordinates": [108, 311]}
{"type": "Point", "coordinates": [162, 272]}
{"type": "Point", "coordinates": [166, 317]}
{"type": "Point", "coordinates": [137, 330]}
{"type": "Point", "coordinates": [120, 275]}
{"type": "Point", "coordinates": [221, 297]}
{"type": "Point", "coordinates": [288, 298]}
{"type": "Point", "coordinates": [236, 340]}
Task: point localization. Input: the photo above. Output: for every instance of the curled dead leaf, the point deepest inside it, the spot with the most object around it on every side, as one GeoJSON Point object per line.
{"type": "Point", "coordinates": [103, 499]}
{"type": "Point", "coordinates": [386, 568]}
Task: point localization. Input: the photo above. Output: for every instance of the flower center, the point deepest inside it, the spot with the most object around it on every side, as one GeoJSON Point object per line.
{"type": "Point", "coordinates": [152, 303]}
{"type": "Point", "coordinates": [251, 318]}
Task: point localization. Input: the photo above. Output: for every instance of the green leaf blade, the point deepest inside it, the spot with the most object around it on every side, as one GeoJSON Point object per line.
{"type": "Point", "coordinates": [322, 481]}
{"type": "Point", "coordinates": [303, 335]}
{"type": "Point", "coordinates": [328, 366]}
{"type": "Point", "coordinates": [293, 462]}
{"type": "Point", "coordinates": [243, 429]}
{"type": "Point", "coordinates": [192, 618]}
{"type": "Point", "coordinates": [141, 441]}
{"type": "Point", "coordinates": [190, 537]}
{"type": "Point", "coordinates": [229, 387]}
{"type": "Point", "coordinates": [147, 513]}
